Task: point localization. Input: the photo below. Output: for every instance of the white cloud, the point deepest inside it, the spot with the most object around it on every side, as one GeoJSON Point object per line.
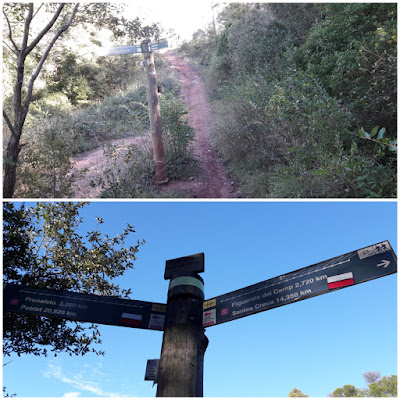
{"type": "Point", "coordinates": [87, 379]}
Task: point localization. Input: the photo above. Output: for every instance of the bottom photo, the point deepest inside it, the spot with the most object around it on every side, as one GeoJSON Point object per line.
{"type": "Point", "coordinates": [200, 299]}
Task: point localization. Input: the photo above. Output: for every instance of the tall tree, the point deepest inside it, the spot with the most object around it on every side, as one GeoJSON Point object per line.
{"type": "Point", "coordinates": [44, 247]}
{"type": "Point", "coordinates": [22, 94]}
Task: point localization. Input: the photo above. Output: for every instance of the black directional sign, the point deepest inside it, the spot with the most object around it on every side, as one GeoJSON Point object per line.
{"type": "Point", "coordinates": [349, 269]}
{"type": "Point", "coordinates": [137, 48]}
{"type": "Point", "coordinates": [179, 266]}
{"type": "Point", "coordinates": [132, 49]}
{"type": "Point", "coordinates": [161, 44]}
{"type": "Point", "coordinates": [84, 307]}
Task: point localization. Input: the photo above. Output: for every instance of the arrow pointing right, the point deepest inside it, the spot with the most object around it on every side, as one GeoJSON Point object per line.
{"type": "Point", "coordinates": [384, 263]}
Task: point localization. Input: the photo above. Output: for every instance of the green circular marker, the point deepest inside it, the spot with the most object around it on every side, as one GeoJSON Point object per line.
{"type": "Point", "coordinates": [186, 280]}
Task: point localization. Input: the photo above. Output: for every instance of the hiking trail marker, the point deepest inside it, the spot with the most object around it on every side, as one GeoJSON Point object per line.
{"type": "Point", "coordinates": [147, 48]}
{"type": "Point", "coordinates": [84, 307]}
{"type": "Point", "coordinates": [179, 371]}
{"type": "Point", "coordinates": [346, 270]}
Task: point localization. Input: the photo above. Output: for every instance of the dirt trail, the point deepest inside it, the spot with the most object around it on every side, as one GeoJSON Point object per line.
{"type": "Point", "coordinates": [209, 182]}
{"type": "Point", "coordinates": [94, 161]}
{"type": "Point", "coordinates": [212, 181]}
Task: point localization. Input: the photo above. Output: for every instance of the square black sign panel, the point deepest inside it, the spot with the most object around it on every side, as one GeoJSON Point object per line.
{"type": "Point", "coordinates": [182, 265]}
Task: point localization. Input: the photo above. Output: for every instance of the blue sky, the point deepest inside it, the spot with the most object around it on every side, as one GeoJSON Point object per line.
{"type": "Point", "coordinates": [314, 345]}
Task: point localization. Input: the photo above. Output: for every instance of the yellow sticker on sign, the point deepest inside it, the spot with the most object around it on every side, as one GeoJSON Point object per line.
{"type": "Point", "coordinates": [159, 307]}
{"type": "Point", "coordinates": [209, 304]}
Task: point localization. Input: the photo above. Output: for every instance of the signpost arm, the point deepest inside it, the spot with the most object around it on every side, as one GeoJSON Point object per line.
{"type": "Point", "coordinates": [155, 115]}
{"type": "Point", "coordinates": [184, 342]}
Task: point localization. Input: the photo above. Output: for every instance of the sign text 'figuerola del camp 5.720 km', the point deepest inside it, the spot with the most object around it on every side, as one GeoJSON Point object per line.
{"type": "Point", "coordinates": [349, 269]}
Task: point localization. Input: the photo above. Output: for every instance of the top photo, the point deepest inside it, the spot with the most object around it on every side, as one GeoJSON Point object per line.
{"type": "Point", "coordinates": [199, 100]}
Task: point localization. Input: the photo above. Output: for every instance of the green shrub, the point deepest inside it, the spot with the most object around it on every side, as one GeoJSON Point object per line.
{"type": "Point", "coordinates": [353, 53]}
{"type": "Point", "coordinates": [115, 117]}
{"type": "Point", "coordinates": [51, 104]}
{"type": "Point", "coordinates": [178, 136]}
{"type": "Point", "coordinates": [45, 162]}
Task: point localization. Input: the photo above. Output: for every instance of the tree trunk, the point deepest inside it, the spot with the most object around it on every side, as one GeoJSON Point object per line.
{"type": "Point", "coordinates": [10, 168]}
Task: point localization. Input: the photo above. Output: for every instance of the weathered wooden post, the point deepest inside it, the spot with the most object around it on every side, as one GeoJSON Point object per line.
{"type": "Point", "coordinates": [184, 342]}
{"type": "Point", "coordinates": [155, 114]}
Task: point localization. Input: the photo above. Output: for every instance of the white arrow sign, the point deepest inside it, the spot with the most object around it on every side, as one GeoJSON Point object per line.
{"type": "Point", "coordinates": [384, 263]}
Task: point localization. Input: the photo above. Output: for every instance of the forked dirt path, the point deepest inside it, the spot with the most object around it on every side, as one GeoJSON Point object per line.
{"type": "Point", "coordinates": [211, 181]}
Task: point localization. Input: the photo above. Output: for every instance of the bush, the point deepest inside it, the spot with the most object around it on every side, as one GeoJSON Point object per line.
{"type": "Point", "coordinates": [45, 162]}
{"type": "Point", "coordinates": [292, 139]}
{"type": "Point", "coordinates": [353, 53]}
{"type": "Point", "coordinates": [178, 137]}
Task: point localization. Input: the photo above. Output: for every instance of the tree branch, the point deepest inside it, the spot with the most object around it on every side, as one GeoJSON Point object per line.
{"type": "Point", "coordinates": [37, 10]}
{"type": "Point", "coordinates": [45, 29]}
{"type": "Point", "coordinates": [9, 124]}
{"type": "Point", "coordinates": [44, 57]}
{"type": "Point", "coordinates": [27, 27]}
{"type": "Point", "coordinates": [7, 45]}
{"type": "Point", "coordinates": [374, 140]}
{"type": "Point", "coordinates": [16, 49]}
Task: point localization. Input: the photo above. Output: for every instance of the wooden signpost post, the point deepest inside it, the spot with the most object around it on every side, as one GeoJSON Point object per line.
{"type": "Point", "coordinates": [179, 371]}
{"type": "Point", "coordinates": [147, 48]}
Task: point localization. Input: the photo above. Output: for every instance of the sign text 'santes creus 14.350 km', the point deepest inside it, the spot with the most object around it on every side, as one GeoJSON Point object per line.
{"type": "Point", "coordinates": [84, 307]}
{"type": "Point", "coordinates": [349, 269]}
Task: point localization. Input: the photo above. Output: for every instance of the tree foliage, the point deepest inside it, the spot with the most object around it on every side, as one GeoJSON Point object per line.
{"type": "Point", "coordinates": [297, 393]}
{"type": "Point", "coordinates": [384, 387]}
{"type": "Point", "coordinates": [353, 53]}
{"type": "Point", "coordinates": [44, 247]}
{"type": "Point", "coordinates": [346, 391]}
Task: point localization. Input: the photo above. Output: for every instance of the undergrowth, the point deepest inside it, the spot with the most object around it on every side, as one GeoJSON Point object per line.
{"type": "Point", "coordinates": [304, 98]}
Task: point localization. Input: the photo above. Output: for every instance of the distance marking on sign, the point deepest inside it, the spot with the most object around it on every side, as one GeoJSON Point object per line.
{"type": "Point", "coordinates": [84, 307]}
{"type": "Point", "coordinates": [346, 270]}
